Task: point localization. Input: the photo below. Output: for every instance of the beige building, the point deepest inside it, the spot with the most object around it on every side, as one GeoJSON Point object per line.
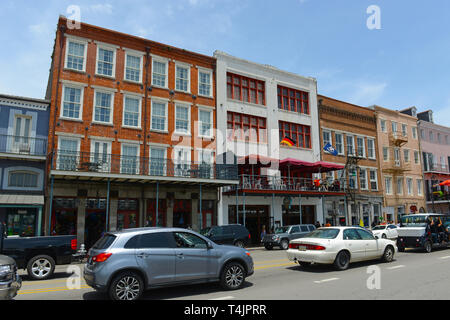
{"type": "Point", "coordinates": [400, 163]}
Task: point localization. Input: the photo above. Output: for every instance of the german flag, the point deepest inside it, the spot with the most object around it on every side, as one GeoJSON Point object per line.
{"type": "Point", "coordinates": [288, 141]}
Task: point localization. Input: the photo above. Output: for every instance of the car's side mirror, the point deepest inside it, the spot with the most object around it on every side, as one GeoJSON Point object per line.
{"type": "Point", "coordinates": [376, 237]}
{"type": "Point", "coordinates": [209, 245]}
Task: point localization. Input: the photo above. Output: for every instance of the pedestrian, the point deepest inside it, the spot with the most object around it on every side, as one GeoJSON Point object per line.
{"type": "Point", "coordinates": [317, 224]}
{"type": "Point", "coordinates": [263, 233]}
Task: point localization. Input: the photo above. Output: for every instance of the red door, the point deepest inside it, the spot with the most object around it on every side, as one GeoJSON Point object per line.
{"type": "Point", "coordinates": [127, 220]}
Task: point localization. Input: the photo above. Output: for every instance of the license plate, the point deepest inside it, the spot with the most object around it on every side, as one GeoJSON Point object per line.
{"type": "Point", "coordinates": [301, 248]}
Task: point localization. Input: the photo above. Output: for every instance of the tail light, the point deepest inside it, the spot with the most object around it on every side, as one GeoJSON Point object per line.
{"type": "Point", "coordinates": [249, 236]}
{"type": "Point", "coordinates": [102, 257]}
{"type": "Point", "coordinates": [307, 246]}
{"type": "Point", "coordinates": [73, 244]}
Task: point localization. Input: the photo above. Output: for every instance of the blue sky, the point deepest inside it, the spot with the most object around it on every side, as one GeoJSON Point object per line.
{"type": "Point", "coordinates": [405, 63]}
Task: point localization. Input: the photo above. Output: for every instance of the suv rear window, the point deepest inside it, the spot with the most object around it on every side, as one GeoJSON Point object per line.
{"type": "Point", "coordinates": [104, 242]}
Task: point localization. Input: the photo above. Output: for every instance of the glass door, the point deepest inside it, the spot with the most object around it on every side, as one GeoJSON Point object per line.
{"type": "Point", "coordinates": [22, 129]}
{"type": "Point", "coordinates": [100, 156]}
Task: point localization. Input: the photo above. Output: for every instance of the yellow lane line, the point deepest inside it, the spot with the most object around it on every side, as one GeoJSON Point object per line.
{"type": "Point", "coordinates": [275, 265]}
{"type": "Point", "coordinates": [45, 290]}
{"type": "Point", "coordinates": [267, 261]}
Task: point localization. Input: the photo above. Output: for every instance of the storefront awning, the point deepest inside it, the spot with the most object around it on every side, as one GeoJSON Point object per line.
{"type": "Point", "coordinates": [12, 199]}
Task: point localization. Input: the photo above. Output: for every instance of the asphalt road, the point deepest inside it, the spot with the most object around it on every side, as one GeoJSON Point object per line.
{"type": "Point", "coordinates": [412, 275]}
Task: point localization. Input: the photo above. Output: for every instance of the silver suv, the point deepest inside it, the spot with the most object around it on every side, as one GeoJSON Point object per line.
{"type": "Point", "coordinates": [127, 262]}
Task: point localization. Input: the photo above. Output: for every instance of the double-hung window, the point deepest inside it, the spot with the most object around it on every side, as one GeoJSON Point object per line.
{"type": "Point", "coordinates": [182, 78]}
{"type": "Point", "coordinates": [159, 72]}
{"type": "Point", "coordinates": [388, 184]}
{"type": "Point", "coordinates": [400, 186]}
{"type": "Point", "coordinates": [419, 187]}
{"type": "Point", "coordinates": [371, 149]}
{"type": "Point", "coordinates": [373, 179]}
{"type": "Point", "coordinates": [406, 155]}
{"type": "Point", "coordinates": [103, 107]}
{"type": "Point", "coordinates": [23, 179]}
{"type": "Point", "coordinates": [205, 83]}
{"type": "Point", "coordinates": [383, 125]}
{"type": "Point", "coordinates": [205, 123]}
{"type": "Point", "coordinates": [106, 60]}
{"type": "Point", "coordinates": [363, 178]}
{"type": "Point", "coordinates": [157, 161]}
{"type": "Point", "coordinates": [361, 147]}
{"type": "Point", "coordinates": [326, 137]}
{"type": "Point", "coordinates": [131, 111]}
{"type": "Point", "coordinates": [72, 104]}
{"type": "Point", "coordinates": [416, 157]}
{"type": "Point", "coordinates": [339, 143]}
{"type": "Point", "coordinates": [76, 55]}
{"type": "Point", "coordinates": [350, 145]}
{"type": "Point", "coordinates": [159, 116]}
{"type": "Point", "coordinates": [68, 155]}
{"type": "Point", "coordinates": [133, 67]}
{"type": "Point", "coordinates": [182, 119]}
{"type": "Point", "coordinates": [129, 163]}
{"type": "Point", "coordinates": [409, 186]}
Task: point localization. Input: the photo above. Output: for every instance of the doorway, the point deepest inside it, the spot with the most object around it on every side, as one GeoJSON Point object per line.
{"type": "Point", "coordinates": [94, 226]}
{"type": "Point", "coordinates": [255, 218]}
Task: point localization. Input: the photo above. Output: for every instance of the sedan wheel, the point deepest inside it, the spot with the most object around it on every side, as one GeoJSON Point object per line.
{"type": "Point", "coordinates": [342, 260]}
{"type": "Point", "coordinates": [388, 255]}
{"type": "Point", "coordinates": [384, 236]}
{"type": "Point", "coordinates": [126, 286]}
{"type": "Point", "coordinates": [233, 276]}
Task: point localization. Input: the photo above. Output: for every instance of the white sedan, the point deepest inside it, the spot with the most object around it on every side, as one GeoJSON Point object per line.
{"type": "Point", "coordinates": [388, 231]}
{"type": "Point", "coordinates": [340, 246]}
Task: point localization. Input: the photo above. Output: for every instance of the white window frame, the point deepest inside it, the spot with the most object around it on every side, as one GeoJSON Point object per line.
{"type": "Point", "coordinates": [388, 186]}
{"type": "Point", "coordinates": [188, 107]}
{"type": "Point", "coordinates": [366, 187]}
{"type": "Point", "coordinates": [383, 125]}
{"type": "Point", "coordinates": [419, 187]}
{"type": "Point", "coordinates": [108, 47]}
{"type": "Point", "coordinates": [135, 54]}
{"type": "Point", "coordinates": [111, 115]}
{"type": "Point", "coordinates": [404, 130]}
{"type": "Point", "coordinates": [184, 66]}
{"type": "Point", "coordinates": [374, 153]}
{"type": "Point", "coordinates": [166, 76]}
{"type": "Point", "coordinates": [139, 98]}
{"type": "Point", "coordinates": [323, 137]}
{"type": "Point", "coordinates": [355, 178]}
{"type": "Point", "coordinates": [211, 113]}
{"type": "Point", "coordinates": [336, 134]}
{"type": "Point", "coordinates": [78, 141]}
{"type": "Point", "coordinates": [80, 41]}
{"type": "Point", "coordinates": [353, 145]}
{"type": "Point", "coordinates": [164, 173]}
{"type": "Point", "coordinates": [106, 167]}
{"type": "Point", "coordinates": [416, 159]}
{"type": "Point", "coordinates": [179, 171]}
{"type": "Point", "coordinates": [363, 146]}
{"type": "Point", "coordinates": [375, 180]}
{"type": "Point", "coordinates": [399, 192]}
{"type": "Point", "coordinates": [414, 132]}
{"type": "Point", "coordinates": [137, 156]}
{"type": "Point", "coordinates": [388, 156]}
{"type": "Point", "coordinates": [166, 127]}
{"type": "Point", "coordinates": [61, 114]}
{"type": "Point", "coordinates": [408, 158]}
{"type": "Point", "coordinates": [410, 187]}
{"type": "Point", "coordinates": [210, 72]}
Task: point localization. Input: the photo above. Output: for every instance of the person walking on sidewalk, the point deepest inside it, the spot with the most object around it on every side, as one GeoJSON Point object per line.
{"type": "Point", "coordinates": [263, 233]}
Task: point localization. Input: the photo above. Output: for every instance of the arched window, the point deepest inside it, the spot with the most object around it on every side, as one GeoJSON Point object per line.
{"type": "Point", "coordinates": [23, 179]}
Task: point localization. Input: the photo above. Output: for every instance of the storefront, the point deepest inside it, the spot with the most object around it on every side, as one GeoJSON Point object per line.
{"type": "Point", "coordinates": [23, 219]}
{"type": "Point", "coordinates": [253, 218]}
{"type": "Point", "coordinates": [182, 213]}
{"type": "Point", "coordinates": [127, 214]}
{"type": "Point", "coordinates": [64, 216]}
{"type": "Point", "coordinates": [95, 220]}
{"type": "Point", "coordinates": [292, 216]}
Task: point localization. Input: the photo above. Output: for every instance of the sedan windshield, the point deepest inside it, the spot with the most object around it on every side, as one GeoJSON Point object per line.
{"type": "Point", "coordinates": [323, 234]}
{"type": "Point", "coordinates": [281, 229]}
{"type": "Point", "coordinates": [379, 228]}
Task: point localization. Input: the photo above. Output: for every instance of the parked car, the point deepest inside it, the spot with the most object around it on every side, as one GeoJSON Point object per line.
{"type": "Point", "coordinates": [40, 255]}
{"type": "Point", "coordinates": [232, 234]}
{"type": "Point", "coordinates": [283, 235]}
{"type": "Point", "coordinates": [340, 246]}
{"type": "Point", "coordinates": [125, 263]}
{"type": "Point", "coordinates": [387, 231]}
{"type": "Point", "coordinates": [10, 281]}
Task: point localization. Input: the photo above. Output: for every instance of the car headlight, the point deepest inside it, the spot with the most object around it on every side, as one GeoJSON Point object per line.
{"type": "Point", "coordinates": [275, 238]}
{"type": "Point", "coordinates": [5, 269]}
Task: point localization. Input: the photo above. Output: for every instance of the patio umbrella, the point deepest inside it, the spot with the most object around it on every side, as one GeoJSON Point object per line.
{"type": "Point", "coordinates": [445, 183]}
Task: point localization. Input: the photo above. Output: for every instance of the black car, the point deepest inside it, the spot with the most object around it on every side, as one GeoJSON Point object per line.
{"type": "Point", "coordinates": [232, 234]}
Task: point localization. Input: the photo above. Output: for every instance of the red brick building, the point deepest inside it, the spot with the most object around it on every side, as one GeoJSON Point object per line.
{"type": "Point", "coordinates": [132, 133]}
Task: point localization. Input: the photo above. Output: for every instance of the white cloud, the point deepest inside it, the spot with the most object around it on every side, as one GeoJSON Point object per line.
{"type": "Point", "coordinates": [367, 93]}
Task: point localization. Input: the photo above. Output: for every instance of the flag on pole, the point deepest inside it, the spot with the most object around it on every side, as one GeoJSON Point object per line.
{"type": "Point", "coordinates": [288, 141]}
{"type": "Point", "coordinates": [330, 149]}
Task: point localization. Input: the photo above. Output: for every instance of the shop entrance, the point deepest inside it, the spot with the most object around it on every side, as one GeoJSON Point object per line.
{"type": "Point", "coordinates": [291, 215]}
{"type": "Point", "coordinates": [64, 216]}
{"type": "Point", "coordinates": [21, 221]}
{"type": "Point", "coordinates": [255, 218]}
{"type": "Point", "coordinates": [152, 220]}
{"type": "Point", "coordinates": [127, 214]}
{"type": "Point", "coordinates": [182, 213]}
{"type": "Point", "coordinates": [94, 226]}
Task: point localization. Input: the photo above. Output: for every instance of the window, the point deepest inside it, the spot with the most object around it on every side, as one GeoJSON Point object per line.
{"type": "Point", "coordinates": [205, 83]}
{"type": "Point", "coordinates": [182, 119]}
{"type": "Point", "coordinates": [361, 147]}
{"type": "Point", "coordinates": [182, 78]}
{"type": "Point", "coordinates": [414, 132]}
{"type": "Point", "coordinates": [416, 157]}
{"type": "Point", "coordinates": [301, 134]}
{"type": "Point", "coordinates": [371, 148]}
{"type": "Point", "coordinates": [373, 179]}
{"type": "Point", "coordinates": [404, 130]}
{"type": "Point", "coordinates": [350, 145]}
{"type": "Point", "coordinates": [351, 234]}
{"type": "Point", "coordinates": [383, 125]}
{"type": "Point", "coordinates": [397, 156]}
{"type": "Point", "coordinates": [439, 137]}
{"type": "Point", "coordinates": [156, 240]}
{"type": "Point", "coordinates": [23, 179]}
{"type": "Point", "coordinates": [394, 127]}
{"type": "Point", "coordinates": [159, 73]}
{"type": "Point", "coordinates": [182, 161]}
{"type": "Point", "coordinates": [76, 55]}
{"type": "Point", "coordinates": [103, 107]}
{"type": "Point", "coordinates": [205, 123]}
{"type": "Point", "coordinates": [106, 58]}
{"type": "Point", "coordinates": [72, 103]}
{"type": "Point", "coordinates": [339, 143]}
{"type": "Point", "coordinates": [399, 185]}
{"type": "Point", "coordinates": [245, 89]}
{"type": "Point", "coordinates": [363, 178]}
{"type": "Point", "coordinates": [68, 154]}
{"type": "Point", "coordinates": [132, 112]}
{"type": "Point", "coordinates": [133, 68]}
{"type": "Point", "coordinates": [442, 158]}
{"type": "Point", "coordinates": [406, 155]}
{"type": "Point", "coordinates": [246, 127]}
{"type": "Point", "coordinates": [365, 235]}
{"type": "Point", "coordinates": [101, 155]}
{"type": "Point", "coordinates": [419, 187]}
{"type": "Point", "coordinates": [422, 134]}
{"type": "Point", "coordinates": [129, 162]}
{"type": "Point", "coordinates": [388, 184]}
{"type": "Point", "coordinates": [293, 100]}
{"type": "Point", "coordinates": [352, 179]}
{"type": "Point", "coordinates": [431, 136]}
{"type": "Point", "coordinates": [189, 241]}
{"type": "Point", "coordinates": [385, 153]}
{"type": "Point", "coordinates": [409, 186]}
{"type": "Point", "coordinates": [159, 116]}
{"type": "Point", "coordinates": [326, 137]}
{"type": "Point", "coordinates": [157, 161]}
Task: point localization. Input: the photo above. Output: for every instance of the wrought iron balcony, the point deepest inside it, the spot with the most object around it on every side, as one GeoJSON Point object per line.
{"type": "Point", "coordinates": [398, 138]}
{"type": "Point", "coordinates": [98, 164]}
{"type": "Point", "coordinates": [436, 167]}
{"type": "Point", "coordinates": [23, 145]}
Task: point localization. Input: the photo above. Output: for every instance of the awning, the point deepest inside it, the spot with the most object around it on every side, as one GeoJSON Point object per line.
{"type": "Point", "coordinates": [310, 167]}
{"type": "Point", "coordinates": [19, 199]}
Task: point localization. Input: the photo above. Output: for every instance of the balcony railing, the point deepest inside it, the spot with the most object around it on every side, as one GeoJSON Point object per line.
{"type": "Point", "coordinates": [398, 138]}
{"type": "Point", "coordinates": [130, 165]}
{"type": "Point", "coordinates": [436, 167]}
{"type": "Point", "coordinates": [274, 183]}
{"type": "Point", "coordinates": [23, 145]}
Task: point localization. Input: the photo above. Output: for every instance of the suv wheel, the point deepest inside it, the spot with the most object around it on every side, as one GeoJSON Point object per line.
{"type": "Point", "coordinates": [41, 267]}
{"type": "Point", "coordinates": [427, 247]}
{"type": "Point", "coordinates": [239, 243]}
{"type": "Point", "coordinates": [126, 286]}
{"type": "Point", "coordinates": [233, 276]}
{"type": "Point", "coordinates": [284, 244]}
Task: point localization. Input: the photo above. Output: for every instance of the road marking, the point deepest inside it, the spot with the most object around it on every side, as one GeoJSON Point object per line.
{"type": "Point", "coordinates": [326, 280]}
{"type": "Point", "coordinates": [276, 265]}
{"type": "Point", "coordinates": [45, 290]}
{"type": "Point", "coordinates": [267, 261]}
{"type": "Point", "coordinates": [223, 298]}
{"type": "Point", "coordinates": [446, 257]}
{"type": "Point", "coordinates": [396, 267]}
